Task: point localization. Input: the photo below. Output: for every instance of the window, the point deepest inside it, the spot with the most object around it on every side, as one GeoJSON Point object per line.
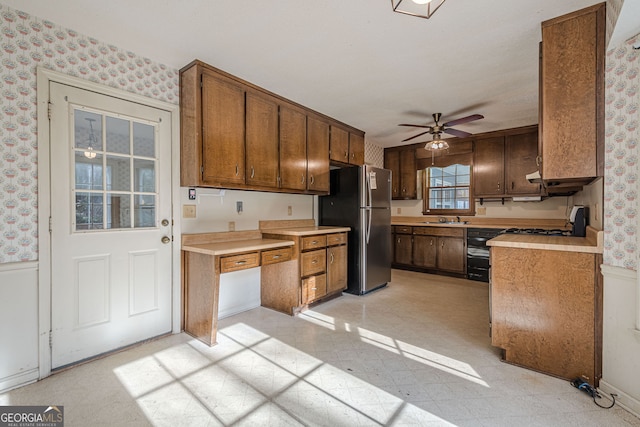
{"type": "Point", "coordinates": [115, 172]}
{"type": "Point", "coordinates": [447, 187]}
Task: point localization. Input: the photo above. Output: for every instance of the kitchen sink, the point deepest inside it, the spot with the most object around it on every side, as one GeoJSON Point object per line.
{"type": "Point", "coordinates": [446, 222]}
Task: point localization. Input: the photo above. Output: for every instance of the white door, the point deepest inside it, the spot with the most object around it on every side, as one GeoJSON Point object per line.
{"type": "Point", "coordinates": [110, 223]}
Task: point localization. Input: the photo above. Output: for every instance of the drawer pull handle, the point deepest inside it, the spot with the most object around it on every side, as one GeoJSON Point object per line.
{"type": "Point", "coordinates": [331, 257]}
{"type": "Point", "coordinates": [314, 242]}
{"type": "Point", "coordinates": [315, 261]}
{"type": "Point", "coordinates": [241, 262]}
{"type": "Point", "coordinates": [277, 256]}
{"type": "Point", "coordinates": [314, 289]}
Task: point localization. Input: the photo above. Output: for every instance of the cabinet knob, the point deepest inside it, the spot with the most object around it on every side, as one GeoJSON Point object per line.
{"type": "Point", "coordinates": [498, 185]}
{"type": "Point", "coordinates": [311, 179]}
{"type": "Point", "coordinates": [237, 169]}
{"type": "Point", "coordinates": [331, 257]}
{"type": "Point", "coordinates": [253, 172]}
{"type": "Point", "coordinates": [315, 261]}
{"type": "Point", "coordinates": [302, 179]}
{"type": "Point", "coordinates": [346, 155]}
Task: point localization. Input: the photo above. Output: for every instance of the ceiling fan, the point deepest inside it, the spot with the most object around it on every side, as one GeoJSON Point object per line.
{"type": "Point", "coordinates": [437, 129]}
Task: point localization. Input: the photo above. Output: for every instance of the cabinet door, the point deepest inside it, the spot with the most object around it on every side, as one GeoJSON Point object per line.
{"type": "Point", "coordinates": [317, 155]}
{"type": "Point", "coordinates": [521, 154]}
{"type": "Point", "coordinates": [402, 249]}
{"type": "Point", "coordinates": [424, 251]}
{"type": "Point", "coordinates": [392, 162]}
{"type": "Point", "coordinates": [408, 174]}
{"type": "Point", "coordinates": [293, 148]}
{"type": "Point", "coordinates": [262, 140]}
{"type": "Point", "coordinates": [336, 268]}
{"type": "Point", "coordinates": [339, 147]}
{"type": "Point", "coordinates": [356, 149]}
{"type": "Point", "coordinates": [223, 108]}
{"type": "Point", "coordinates": [451, 254]}
{"type": "Point", "coordinates": [488, 167]}
{"type": "Point", "coordinates": [572, 107]}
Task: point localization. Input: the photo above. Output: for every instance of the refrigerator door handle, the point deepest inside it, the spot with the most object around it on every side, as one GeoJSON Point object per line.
{"type": "Point", "coordinates": [369, 202]}
{"type": "Point", "coordinates": [368, 211]}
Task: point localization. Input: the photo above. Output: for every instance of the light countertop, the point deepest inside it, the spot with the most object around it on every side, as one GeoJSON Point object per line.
{"type": "Point", "coordinates": [590, 244]}
{"type": "Point", "coordinates": [306, 231]}
{"type": "Point", "coordinates": [237, 246]}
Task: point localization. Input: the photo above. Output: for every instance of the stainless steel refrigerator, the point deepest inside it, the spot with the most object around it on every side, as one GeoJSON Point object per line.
{"type": "Point", "coordinates": [361, 199]}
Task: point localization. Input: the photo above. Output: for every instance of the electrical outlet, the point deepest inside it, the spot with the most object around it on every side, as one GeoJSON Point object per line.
{"type": "Point", "coordinates": [188, 211]}
{"type": "Point", "coordinates": [289, 211]}
{"type": "Point", "coordinates": [481, 210]}
{"type": "Point", "coordinates": [399, 211]}
{"type": "Point", "coordinates": [232, 226]}
{"type": "Point", "coordinates": [239, 207]}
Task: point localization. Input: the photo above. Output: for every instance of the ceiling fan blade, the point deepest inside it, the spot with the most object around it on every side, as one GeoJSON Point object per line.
{"type": "Point", "coordinates": [416, 126]}
{"type": "Point", "coordinates": [456, 132]}
{"type": "Point", "coordinates": [464, 120]}
{"type": "Point", "coordinates": [415, 136]}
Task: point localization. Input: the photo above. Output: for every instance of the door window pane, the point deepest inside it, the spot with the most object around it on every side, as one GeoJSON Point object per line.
{"type": "Point", "coordinates": [144, 143]}
{"type": "Point", "coordinates": [118, 210]}
{"type": "Point", "coordinates": [88, 172]}
{"type": "Point", "coordinates": [145, 211]}
{"type": "Point", "coordinates": [145, 176]}
{"type": "Point", "coordinates": [87, 130]}
{"type": "Point", "coordinates": [119, 173]}
{"type": "Point", "coordinates": [89, 209]}
{"type": "Point", "coordinates": [118, 135]}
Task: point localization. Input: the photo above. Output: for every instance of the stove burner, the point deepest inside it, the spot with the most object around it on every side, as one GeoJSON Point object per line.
{"type": "Point", "coordinates": [537, 231]}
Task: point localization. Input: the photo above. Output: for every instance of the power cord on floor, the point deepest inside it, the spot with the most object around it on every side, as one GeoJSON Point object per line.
{"type": "Point", "coordinates": [591, 391]}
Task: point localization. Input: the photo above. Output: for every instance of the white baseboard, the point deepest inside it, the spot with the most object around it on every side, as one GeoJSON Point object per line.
{"type": "Point", "coordinates": [624, 400]}
{"type": "Point", "coordinates": [18, 380]}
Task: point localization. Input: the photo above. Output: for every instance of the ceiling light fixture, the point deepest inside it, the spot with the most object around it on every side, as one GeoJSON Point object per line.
{"type": "Point", "coordinates": [420, 8]}
{"type": "Point", "coordinates": [90, 153]}
{"type": "Point", "coordinates": [438, 144]}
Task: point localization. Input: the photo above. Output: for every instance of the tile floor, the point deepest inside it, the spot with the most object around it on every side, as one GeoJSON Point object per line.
{"type": "Point", "coordinates": [416, 353]}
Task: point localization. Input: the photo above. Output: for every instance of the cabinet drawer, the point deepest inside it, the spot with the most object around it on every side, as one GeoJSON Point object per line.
{"type": "Point", "coordinates": [239, 262]}
{"type": "Point", "coordinates": [276, 255]}
{"type": "Point", "coordinates": [439, 231]}
{"type": "Point", "coordinates": [314, 242]}
{"type": "Point", "coordinates": [402, 229]}
{"type": "Point", "coordinates": [314, 287]}
{"type": "Point", "coordinates": [313, 262]}
{"type": "Point", "coordinates": [336, 239]}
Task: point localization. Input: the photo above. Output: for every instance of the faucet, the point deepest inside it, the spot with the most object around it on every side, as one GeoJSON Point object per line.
{"type": "Point", "coordinates": [458, 218]}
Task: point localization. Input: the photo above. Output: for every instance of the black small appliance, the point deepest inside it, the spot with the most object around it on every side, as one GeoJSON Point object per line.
{"type": "Point", "coordinates": [579, 220]}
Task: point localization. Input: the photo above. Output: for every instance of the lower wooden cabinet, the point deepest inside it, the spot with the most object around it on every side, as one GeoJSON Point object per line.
{"type": "Point", "coordinates": [319, 271]}
{"type": "Point", "coordinates": [432, 249]}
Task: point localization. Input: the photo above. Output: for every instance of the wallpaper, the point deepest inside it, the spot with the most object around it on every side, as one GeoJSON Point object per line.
{"type": "Point", "coordinates": [27, 42]}
{"type": "Point", "coordinates": [622, 136]}
{"type": "Point", "coordinates": [373, 154]}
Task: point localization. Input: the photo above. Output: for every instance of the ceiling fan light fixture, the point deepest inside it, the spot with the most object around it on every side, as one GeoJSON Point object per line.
{"type": "Point", "coordinates": [419, 8]}
{"type": "Point", "coordinates": [436, 145]}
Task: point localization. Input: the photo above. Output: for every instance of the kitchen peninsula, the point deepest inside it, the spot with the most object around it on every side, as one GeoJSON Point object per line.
{"type": "Point", "coordinates": [546, 303]}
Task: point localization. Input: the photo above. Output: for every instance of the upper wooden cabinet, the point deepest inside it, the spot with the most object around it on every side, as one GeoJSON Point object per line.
{"type": "Point", "coordinates": [293, 148]}
{"type": "Point", "coordinates": [261, 140]}
{"type": "Point", "coordinates": [572, 96]}
{"type": "Point", "coordinates": [502, 161]}
{"type": "Point", "coordinates": [488, 167]}
{"type": "Point", "coordinates": [346, 146]}
{"type": "Point", "coordinates": [223, 135]}
{"type": "Point", "coordinates": [402, 163]}
{"type": "Point", "coordinates": [238, 135]}
{"type": "Point", "coordinates": [317, 154]}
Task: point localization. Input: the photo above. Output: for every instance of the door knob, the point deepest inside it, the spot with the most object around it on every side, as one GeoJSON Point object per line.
{"type": "Point", "coordinates": [165, 222]}
{"type": "Point", "coordinates": [165, 239]}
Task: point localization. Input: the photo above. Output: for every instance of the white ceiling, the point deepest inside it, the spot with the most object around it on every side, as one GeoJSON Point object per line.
{"type": "Point", "coordinates": [354, 60]}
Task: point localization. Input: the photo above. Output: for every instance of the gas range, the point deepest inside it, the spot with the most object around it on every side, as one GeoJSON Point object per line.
{"type": "Point", "coordinates": [537, 231]}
